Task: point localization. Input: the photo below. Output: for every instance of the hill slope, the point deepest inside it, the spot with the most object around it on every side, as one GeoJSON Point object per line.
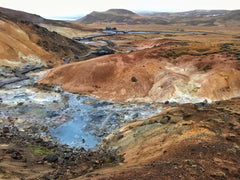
{"type": "Point", "coordinates": [167, 72]}
{"type": "Point", "coordinates": [21, 40]}
{"type": "Point", "coordinates": [113, 16]}
{"type": "Point", "coordinates": [189, 18]}
{"type": "Point", "coordinates": [52, 25]}
{"type": "Point", "coordinates": [22, 15]}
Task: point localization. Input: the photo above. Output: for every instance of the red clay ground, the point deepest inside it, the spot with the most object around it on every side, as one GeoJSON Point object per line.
{"type": "Point", "coordinates": [169, 70]}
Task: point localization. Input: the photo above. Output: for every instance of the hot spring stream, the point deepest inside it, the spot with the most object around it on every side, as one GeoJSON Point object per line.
{"type": "Point", "coordinates": [72, 119]}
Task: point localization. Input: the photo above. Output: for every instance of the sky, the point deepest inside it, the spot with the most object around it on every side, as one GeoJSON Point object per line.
{"type": "Point", "coordinates": [68, 8]}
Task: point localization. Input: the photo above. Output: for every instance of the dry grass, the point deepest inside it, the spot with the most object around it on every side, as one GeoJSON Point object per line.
{"type": "Point", "coordinates": [67, 31]}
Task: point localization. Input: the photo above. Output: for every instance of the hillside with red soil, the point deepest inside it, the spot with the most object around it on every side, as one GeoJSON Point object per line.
{"type": "Point", "coordinates": [169, 71]}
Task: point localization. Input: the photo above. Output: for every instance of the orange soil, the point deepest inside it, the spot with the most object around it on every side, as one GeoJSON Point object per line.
{"type": "Point", "coordinates": [22, 42]}
{"type": "Point", "coordinates": [15, 42]}
{"type": "Point", "coordinates": [159, 78]}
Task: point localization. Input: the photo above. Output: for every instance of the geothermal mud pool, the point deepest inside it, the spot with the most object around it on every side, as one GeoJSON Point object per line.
{"type": "Point", "coordinates": [71, 119]}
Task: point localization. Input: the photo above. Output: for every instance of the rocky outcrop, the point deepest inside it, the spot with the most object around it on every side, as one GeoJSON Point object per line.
{"type": "Point", "coordinates": [104, 50]}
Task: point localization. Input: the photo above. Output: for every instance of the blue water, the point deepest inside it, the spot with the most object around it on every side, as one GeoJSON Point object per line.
{"type": "Point", "coordinates": [92, 119]}
{"type": "Point", "coordinates": [78, 121]}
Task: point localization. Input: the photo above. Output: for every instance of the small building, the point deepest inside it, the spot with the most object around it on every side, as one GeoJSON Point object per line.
{"type": "Point", "coordinates": [109, 28]}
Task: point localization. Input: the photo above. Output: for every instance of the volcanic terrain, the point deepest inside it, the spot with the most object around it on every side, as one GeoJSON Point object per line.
{"type": "Point", "coordinates": [168, 71]}
{"type": "Point", "coordinates": [165, 105]}
{"type": "Point", "coordinates": [22, 42]}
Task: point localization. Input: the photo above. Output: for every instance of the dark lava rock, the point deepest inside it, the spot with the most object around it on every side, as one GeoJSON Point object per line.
{"type": "Point", "coordinates": [201, 104]}
{"type": "Point", "coordinates": [34, 129]}
{"type": "Point", "coordinates": [20, 103]}
{"type": "Point", "coordinates": [166, 102]}
{"type": "Point", "coordinates": [135, 116]}
{"type": "Point", "coordinates": [52, 158]}
{"type": "Point", "coordinates": [16, 155]}
{"type": "Point", "coordinates": [134, 79]}
{"type": "Point", "coordinates": [120, 136]}
{"type": "Point", "coordinates": [52, 114]}
{"type": "Point", "coordinates": [101, 104]}
{"type": "Point", "coordinates": [6, 130]}
{"type": "Point", "coordinates": [103, 51]}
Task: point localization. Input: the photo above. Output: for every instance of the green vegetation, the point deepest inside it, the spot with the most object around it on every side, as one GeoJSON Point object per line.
{"type": "Point", "coordinates": [231, 49]}
{"type": "Point", "coordinates": [40, 150]}
{"type": "Point", "coordinates": [198, 49]}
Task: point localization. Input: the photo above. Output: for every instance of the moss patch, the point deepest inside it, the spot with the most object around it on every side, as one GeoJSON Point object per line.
{"type": "Point", "coordinates": [40, 150]}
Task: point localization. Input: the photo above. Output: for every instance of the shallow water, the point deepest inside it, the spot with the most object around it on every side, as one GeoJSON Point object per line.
{"type": "Point", "coordinates": [92, 119]}
{"type": "Point", "coordinates": [72, 119]}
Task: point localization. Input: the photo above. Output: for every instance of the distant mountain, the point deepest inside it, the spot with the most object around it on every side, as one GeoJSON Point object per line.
{"type": "Point", "coordinates": [196, 17]}
{"type": "Point", "coordinates": [114, 16]}
{"type": "Point", "coordinates": [191, 18]}
{"type": "Point", "coordinates": [232, 15]}
{"type": "Point", "coordinates": [190, 14]}
{"type": "Point", "coordinates": [120, 12]}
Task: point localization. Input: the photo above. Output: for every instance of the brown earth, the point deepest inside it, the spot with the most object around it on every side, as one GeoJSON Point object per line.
{"type": "Point", "coordinates": [183, 71]}
{"type": "Point", "coordinates": [179, 143]}
{"type": "Point", "coordinates": [16, 168]}
{"type": "Point", "coordinates": [22, 42]}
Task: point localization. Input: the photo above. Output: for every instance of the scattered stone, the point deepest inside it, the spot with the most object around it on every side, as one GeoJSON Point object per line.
{"type": "Point", "coordinates": [34, 129]}
{"type": "Point", "coordinates": [120, 136]}
{"type": "Point", "coordinates": [165, 120]}
{"type": "Point", "coordinates": [166, 102]}
{"type": "Point", "coordinates": [16, 155]}
{"type": "Point", "coordinates": [20, 103]}
{"type": "Point", "coordinates": [130, 127]}
{"type": "Point", "coordinates": [231, 137]}
{"type": "Point", "coordinates": [6, 130]}
{"type": "Point", "coordinates": [134, 79]}
{"type": "Point", "coordinates": [201, 104]}
{"type": "Point", "coordinates": [51, 158]}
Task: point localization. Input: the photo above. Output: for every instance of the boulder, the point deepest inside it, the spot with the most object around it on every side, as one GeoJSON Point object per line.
{"type": "Point", "coordinates": [52, 158]}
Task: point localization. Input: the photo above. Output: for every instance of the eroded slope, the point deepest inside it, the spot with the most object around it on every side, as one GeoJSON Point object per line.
{"type": "Point", "coordinates": [183, 142]}
{"type": "Point", "coordinates": [23, 42]}
{"type": "Point", "coordinates": [170, 71]}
